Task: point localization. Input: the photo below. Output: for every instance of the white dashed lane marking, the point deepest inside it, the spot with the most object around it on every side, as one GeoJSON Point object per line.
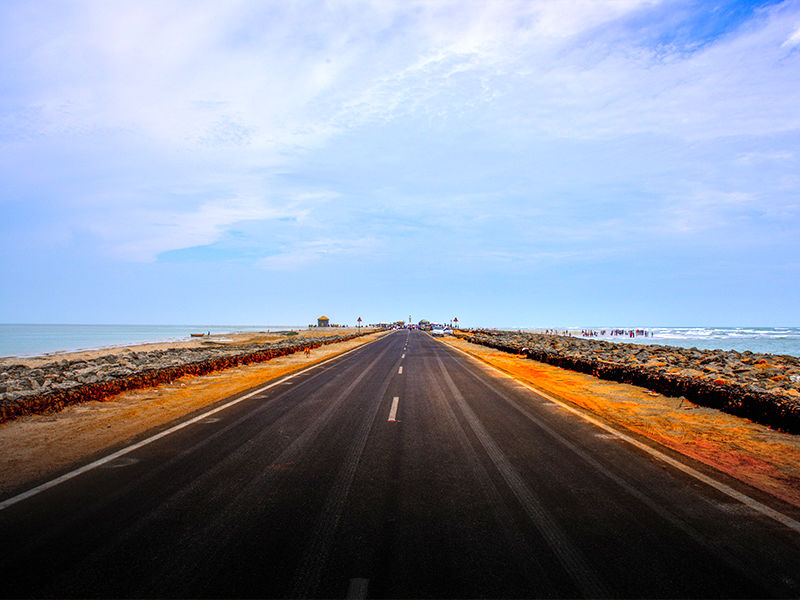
{"type": "Point", "coordinates": [393, 411]}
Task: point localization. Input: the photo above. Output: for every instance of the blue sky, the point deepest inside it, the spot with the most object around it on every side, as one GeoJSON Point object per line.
{"type": "Point", "coordinates": [512, 164]}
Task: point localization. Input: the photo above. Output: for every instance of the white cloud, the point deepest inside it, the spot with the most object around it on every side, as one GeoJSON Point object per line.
{"type": "Point", "coordinates": [304, 254]}
{"type": "Point", "coordinates": [703, 210]}
{"type": "Point", "coordinates": [793, 40]}
{"type": "Point", "coordinates": [235, 93]}
{"type": "Point", "coordinates": [749, 158]}
{"type": "Point", "coordinates": [203, 78]}
{"type": "Point", "coordinates": [740, 85]}
{"type": "Point", "coordinates": [142, 234]}
{"type": "Point", "coordinates": [192, 75]}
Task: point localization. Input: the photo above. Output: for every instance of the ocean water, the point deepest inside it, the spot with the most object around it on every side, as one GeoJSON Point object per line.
{"type": "Point", "coordinates": [33, 340]}
{"type": "Point", "coordinates": [769, 340]}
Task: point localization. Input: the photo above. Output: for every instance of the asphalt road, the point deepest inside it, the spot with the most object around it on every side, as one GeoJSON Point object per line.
{"type": "Point", "coordinates": [401, 469]}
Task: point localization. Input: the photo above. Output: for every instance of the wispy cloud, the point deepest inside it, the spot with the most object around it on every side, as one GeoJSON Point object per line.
{"type": "Point", "coordinates": [298, 256]}
{"type": "Point", "coordinates": [793, 40]}
{"type": "Point", "coordinates": [704, 210]}
{"type": "Point", "coordinates": [749, 158]}
{"type": "Point", "coordinates": [154, 231]}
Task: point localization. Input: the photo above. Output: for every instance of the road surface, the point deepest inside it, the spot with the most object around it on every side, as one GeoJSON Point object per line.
{"type": "Point", "coordinates": [401, 469]}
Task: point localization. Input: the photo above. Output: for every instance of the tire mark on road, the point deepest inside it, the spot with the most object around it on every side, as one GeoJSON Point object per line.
{"type": "Point", "coordinates": [102, 502]}
{"type": "Point", "coordinates": [223, 524]}
{"type": "Point", "coordinates": [315, 557]}
{"type": "Point", "coordinates": [571, 559]}
{"type": "Point", "coordinates": [522, 553]}
{"type": "Point", "coordinates": [712, 546]}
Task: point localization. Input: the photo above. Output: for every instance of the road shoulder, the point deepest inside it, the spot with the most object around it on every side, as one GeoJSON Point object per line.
{"type": "Point", "coordinates": [758, 456]}
{"type": "Point", "coordinates": [39, 447]}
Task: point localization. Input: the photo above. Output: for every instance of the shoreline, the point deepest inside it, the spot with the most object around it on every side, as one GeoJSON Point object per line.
{"type": "Point", "coordinates": [50, 382]}
{"type": "Point", "coordinates": [29, 340]}
{"type": "Point", "coordinates": [229, 338]}
{"type": "Point", "coordinates": [59, 353]}
{"type": "Point", "coordinates": [779, 341]}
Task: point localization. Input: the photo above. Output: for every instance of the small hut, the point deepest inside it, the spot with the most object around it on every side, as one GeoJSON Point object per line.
{"type": "Point", "coordinates": [323, 322]}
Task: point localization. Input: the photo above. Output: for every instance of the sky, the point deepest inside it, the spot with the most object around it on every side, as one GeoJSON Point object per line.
{"type": "Point", "coordinates": [564, 163]}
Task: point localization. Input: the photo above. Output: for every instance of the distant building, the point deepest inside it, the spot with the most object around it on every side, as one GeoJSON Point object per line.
{"type": "Point", "coordinates": [323, 322]}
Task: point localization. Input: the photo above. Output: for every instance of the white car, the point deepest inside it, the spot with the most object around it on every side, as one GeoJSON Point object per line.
{"type": "Point", "coordinates": [437, 331]}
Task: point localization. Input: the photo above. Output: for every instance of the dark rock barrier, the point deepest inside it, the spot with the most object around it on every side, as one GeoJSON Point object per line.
{"type": "Point", "coordinates": [35, 390]}
{"type": "Point", "coordinates": [762, 387]}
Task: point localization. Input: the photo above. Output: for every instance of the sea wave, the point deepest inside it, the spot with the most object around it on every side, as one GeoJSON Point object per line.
{"type": "Point", "coordinates": [768, 340]}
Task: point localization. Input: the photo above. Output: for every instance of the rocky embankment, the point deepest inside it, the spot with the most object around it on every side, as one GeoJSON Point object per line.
{"type": "Point", "coordinates": [28, 390]}
{"type": "Point", "coordinates": [761, 387]}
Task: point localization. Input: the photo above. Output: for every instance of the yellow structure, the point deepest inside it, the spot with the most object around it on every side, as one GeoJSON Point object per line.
{"type": "Point", "coordinates": [323, 322]}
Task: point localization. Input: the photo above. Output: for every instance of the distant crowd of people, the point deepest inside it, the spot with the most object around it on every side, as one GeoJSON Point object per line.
{"type": "Point", "coordinates": [613, 332]}
{"type": "Point", "coordinates": [603, 332]}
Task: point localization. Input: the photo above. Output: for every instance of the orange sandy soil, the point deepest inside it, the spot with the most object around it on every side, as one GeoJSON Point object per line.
{"type": "Point", "coordinates": [38, 447]}
{"type": "Point", "coordinates": [755, 454]}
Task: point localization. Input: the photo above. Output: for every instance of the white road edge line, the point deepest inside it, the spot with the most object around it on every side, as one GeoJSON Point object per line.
{"type": "Point", "coordinates": [106, 459]}
{"type": "Point", "coordinates": [710, 481]}
{"type": "Point", "coordinates": [393, 410]}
